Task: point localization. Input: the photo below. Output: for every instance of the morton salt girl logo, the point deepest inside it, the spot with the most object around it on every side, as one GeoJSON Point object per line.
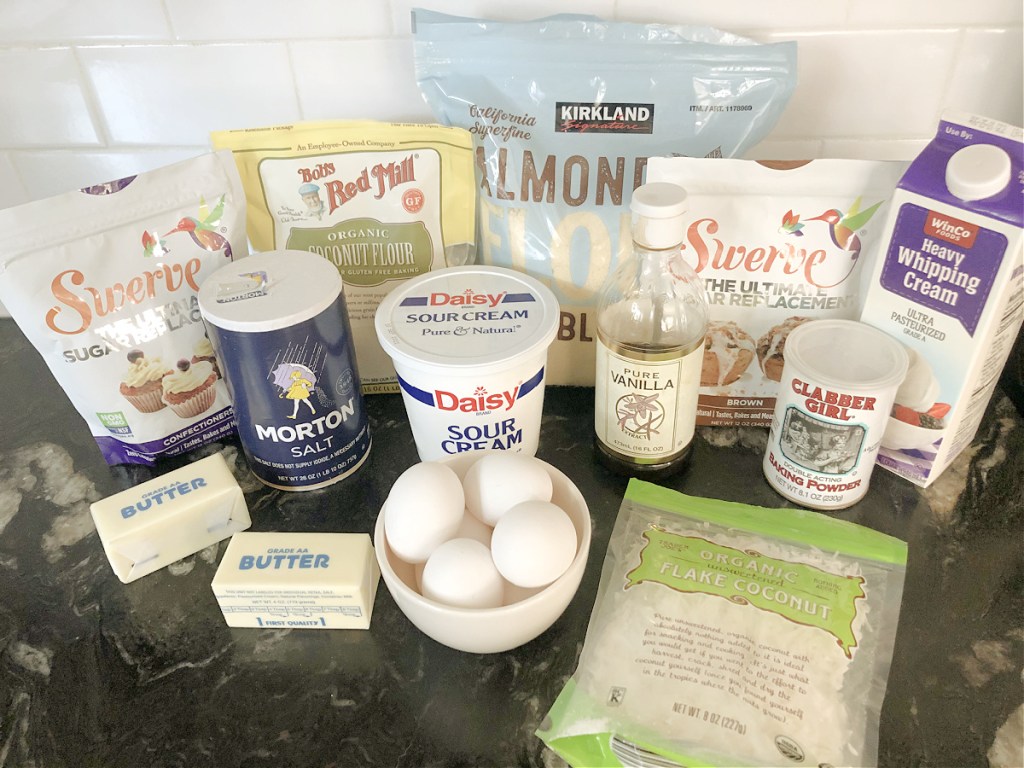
{"type": "Point", "coordinates": [820, 267]}
{"type": "Point", "coordinates": [80, 303]}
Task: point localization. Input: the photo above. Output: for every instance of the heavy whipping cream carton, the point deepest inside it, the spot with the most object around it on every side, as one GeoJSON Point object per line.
{"type": "Point", "coordinates": [777, 245]}
{"type": "Point", "coordinates": [948, 285]}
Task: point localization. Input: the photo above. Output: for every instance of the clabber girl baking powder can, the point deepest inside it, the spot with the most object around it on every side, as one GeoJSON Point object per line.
{"type": "Point", "coordinates": [839, 379]}
{"type": "Point", "coordinates": [278, 325]}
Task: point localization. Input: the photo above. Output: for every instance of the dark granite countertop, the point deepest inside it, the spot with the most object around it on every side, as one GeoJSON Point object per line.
{"type": "Point", "coordinates": [94, 672]}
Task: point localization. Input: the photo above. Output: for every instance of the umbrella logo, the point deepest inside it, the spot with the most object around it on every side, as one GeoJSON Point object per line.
{"type": "Point", "coordinates": [296, 382]}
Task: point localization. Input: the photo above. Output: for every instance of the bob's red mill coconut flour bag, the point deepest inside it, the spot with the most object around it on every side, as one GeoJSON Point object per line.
{"type": "Point", "coordinates": [383, 202]}
{"type": "Point", "coordinates": [564, 113]}
{"type": "Point", "coordinates": [104, 282]}
{"type": "Point", "coordinates": [777, 244]}
{"type": "Point", "coordinates": [725, 634]}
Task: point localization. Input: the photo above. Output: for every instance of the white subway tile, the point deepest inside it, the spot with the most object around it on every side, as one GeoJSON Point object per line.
{"type": "Point", "coordinates": [358, 79]}
{"type": "Point", "coordinates": [867, 85]}
{"type": "Point", "coordinates": [176, 94]}
{"type": "Point", "coordinates": [878, 149]}
{"type": "Point", "coordinates": [70, 21]}
{"type": "Point", "coordinates": [739, 15]}
{"type": "Point", "coordinates": [43, 101]}
{"type": "Point", "coordinates": [917, 14]}
{"type": "Point", "coordinates": [47, 173]}
{"type": "Point", "coordinates": [987, 76]}
{"type": "Point", "coordinates": [12, 191]}
{"type": "Point", "coordinates": [485, 9]}
{"type": "Point", "coordinates": [273, 20]}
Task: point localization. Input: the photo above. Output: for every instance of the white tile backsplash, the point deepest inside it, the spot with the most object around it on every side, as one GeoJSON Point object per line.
{"type": "Point", "coordinates": [12, 190]}
{"type": "Point", "coordinates": [987, 76]}
{"type": "Point", "coordinates": [922, 14]}
{"type": "Point", "coordinates": [739, 15]}
{"type": "Point", "coordinates": [43, 100]}
{"type": "Point", "coordinates": [70, 21]}
{"type": "Point", "coordinates": [329, 88]}
{"type": "Point", "coordinates": [177, 94]}
{"type": "Point", "coordinates": [490, 9]}
{"type": "Point", "coordinates": [868, 85]}
{"type": "Point", "coordinates": [273, 20]}
{"type": "Point", "coordinates": [91, 90]}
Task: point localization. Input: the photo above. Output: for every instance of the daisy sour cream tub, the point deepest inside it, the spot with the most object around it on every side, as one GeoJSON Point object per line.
{"type": "Point", "coordinates": [470, 347]}
{"type": "Point", "coordinates": [278, 324]}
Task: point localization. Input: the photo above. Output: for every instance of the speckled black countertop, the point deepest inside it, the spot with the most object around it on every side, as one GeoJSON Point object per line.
{"type": "Point", "coordinates": [94, 672]}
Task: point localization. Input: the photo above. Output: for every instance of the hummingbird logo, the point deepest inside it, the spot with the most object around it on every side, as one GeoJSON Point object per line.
{"type": "Point", "coordinates": [842, 227]}
{"type": "Point", "coordinates": [203, 228]}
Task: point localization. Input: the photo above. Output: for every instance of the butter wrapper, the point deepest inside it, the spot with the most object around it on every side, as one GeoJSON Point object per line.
{"type": "Point", "coordinates": [298, 581]}
{"type": "Point", "coordinates": [152, 525]}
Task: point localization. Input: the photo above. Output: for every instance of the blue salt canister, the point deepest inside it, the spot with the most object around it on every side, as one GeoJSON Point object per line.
{"type": "Point", "coordinates": [280, 330]}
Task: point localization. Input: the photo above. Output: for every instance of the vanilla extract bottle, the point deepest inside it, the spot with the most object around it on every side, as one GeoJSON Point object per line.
{"type": "Point", "coordinates": [652, 319]}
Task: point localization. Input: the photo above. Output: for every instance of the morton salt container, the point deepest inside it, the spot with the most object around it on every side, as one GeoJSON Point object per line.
{"type": "Point", "coordinates": [280, 330]}
{"type": "Point", "coordinates": [470, 346]}
{"type": "Point", "coordinates": [839, 380]}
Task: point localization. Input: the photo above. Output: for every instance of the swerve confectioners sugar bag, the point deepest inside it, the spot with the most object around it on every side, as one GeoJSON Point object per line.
{"type": "Point", "coordinates": [103, 282]}
{"type": "Point", "coordinates": [725, 634]}
{"type": "Point", "coordinates": [776, 244]}
{"type": "Point", "coordinates": [383, 202]}
{"type": "Point", "coordinates": [564, 113]}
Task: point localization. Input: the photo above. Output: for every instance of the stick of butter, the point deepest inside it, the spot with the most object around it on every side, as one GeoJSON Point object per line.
{"type": "Point", "coordinates": [298, 580]}
{"type": "Point", "coordinates": [152, 525]}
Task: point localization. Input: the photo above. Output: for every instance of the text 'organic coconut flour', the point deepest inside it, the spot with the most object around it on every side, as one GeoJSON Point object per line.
{"type": "Point", "coordinates": [725, 634]}
{"type": "Point", "coordinates": [382, 202]}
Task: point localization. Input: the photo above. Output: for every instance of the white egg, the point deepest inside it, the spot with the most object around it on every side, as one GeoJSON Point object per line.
{"type": "Point", "coordinates": [533, 543]}
{"type": "Point", "coordinates": [461, 573]}
{"type": "Point", "coordinates": [424, 509]}
{"type": "Point", "coordinates": [498, 481]}
{"type": "Point", "coordinates": [473, 528]}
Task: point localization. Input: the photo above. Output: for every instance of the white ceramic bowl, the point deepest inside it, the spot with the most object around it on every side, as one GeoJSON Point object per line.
{"type": "Point", "coordinates": [489, 630]}
{"type": "Point", "coordinates": [900, 435]}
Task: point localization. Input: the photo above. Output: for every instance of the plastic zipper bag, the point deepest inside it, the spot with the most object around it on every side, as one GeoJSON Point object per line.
{"type": "Point", "coordinates": [565, 111]}
{"type": "Point", "coordinates": [725, 635]}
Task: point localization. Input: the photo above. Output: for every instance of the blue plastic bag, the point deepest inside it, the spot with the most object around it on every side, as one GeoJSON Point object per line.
{"type": "Point", "coordinates": [565, 112]}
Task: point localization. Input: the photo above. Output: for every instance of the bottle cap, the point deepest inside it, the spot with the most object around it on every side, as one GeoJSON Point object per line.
{"type": "Point", "coordinates": [977, 172]}
{"type": "Point", "coordinates": [658, 209]}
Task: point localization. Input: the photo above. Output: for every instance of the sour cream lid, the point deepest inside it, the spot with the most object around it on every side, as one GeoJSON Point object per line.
{"type": "Point", "coordinates": [467, 318]}
{"type": "Point", "coordinates": [268, 291]}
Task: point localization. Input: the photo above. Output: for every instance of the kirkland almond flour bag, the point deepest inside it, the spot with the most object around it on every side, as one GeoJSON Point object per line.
{"type": "Point", "coordinates": [103, 282]}
{"type": "Point", "coordinates": [564, 113]}
{"type": "Point", "coordinates": [730, 635]}
{"type": "Point", "coordinates": [383, 202]}
{"type": "Point", "coordinates": [777, 244]}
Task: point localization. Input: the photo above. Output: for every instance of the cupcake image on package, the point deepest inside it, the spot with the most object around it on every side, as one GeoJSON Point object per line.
{"type": "Point", "coordinates": [142, 385]}
{"type": "Point", "coordinates": [203, 352]}
{"type": "Point", "coordinates": [190, 390]}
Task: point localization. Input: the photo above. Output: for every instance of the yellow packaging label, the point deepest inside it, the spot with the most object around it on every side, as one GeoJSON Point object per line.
{"type": "Point", "coordinates": [383, 202]}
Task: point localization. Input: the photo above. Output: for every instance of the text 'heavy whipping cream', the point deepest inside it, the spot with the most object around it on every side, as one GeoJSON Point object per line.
{"type": "Point", "coordinates": [470, 346]}
{"type": "Point", "coordinates": [950, 286]}
{"type": "Point", "coordinates": [281, 331]}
